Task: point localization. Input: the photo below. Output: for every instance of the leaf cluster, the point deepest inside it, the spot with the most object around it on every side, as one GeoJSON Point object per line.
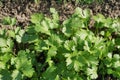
{"type": "Point", "coordinates": [48, 50]}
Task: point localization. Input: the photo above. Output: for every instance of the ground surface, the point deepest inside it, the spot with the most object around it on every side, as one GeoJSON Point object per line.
{"type": "Point", "coordinates": [22, 9]}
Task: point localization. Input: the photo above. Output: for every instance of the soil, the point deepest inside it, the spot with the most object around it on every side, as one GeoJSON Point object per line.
{"type": "Point", "coordinates": [22, 9]}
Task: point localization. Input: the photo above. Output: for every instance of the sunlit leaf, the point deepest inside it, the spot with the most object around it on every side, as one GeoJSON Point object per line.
{"type": "Point", "coordinates": [3, 42]}
{"type": "Point", "coordinates": [16, 75]}
{"type": "Point", "coordinates": [36, 18]}
{"type": "Point", "coordinates": [24, 64]}
{"type": "Point", "coordinates": [52, 51]}
{"type": "Point", "coordinates": [11, 33]}
{"type": "Point", "coordinates": [92, 72]}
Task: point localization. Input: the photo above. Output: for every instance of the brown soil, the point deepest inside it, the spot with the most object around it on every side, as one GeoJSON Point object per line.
{"type": "Point", "coordinates": [22, 9]}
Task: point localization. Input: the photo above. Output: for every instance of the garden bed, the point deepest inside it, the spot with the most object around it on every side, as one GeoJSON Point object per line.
{"type": "Point", "coordinates": [59, 40]}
